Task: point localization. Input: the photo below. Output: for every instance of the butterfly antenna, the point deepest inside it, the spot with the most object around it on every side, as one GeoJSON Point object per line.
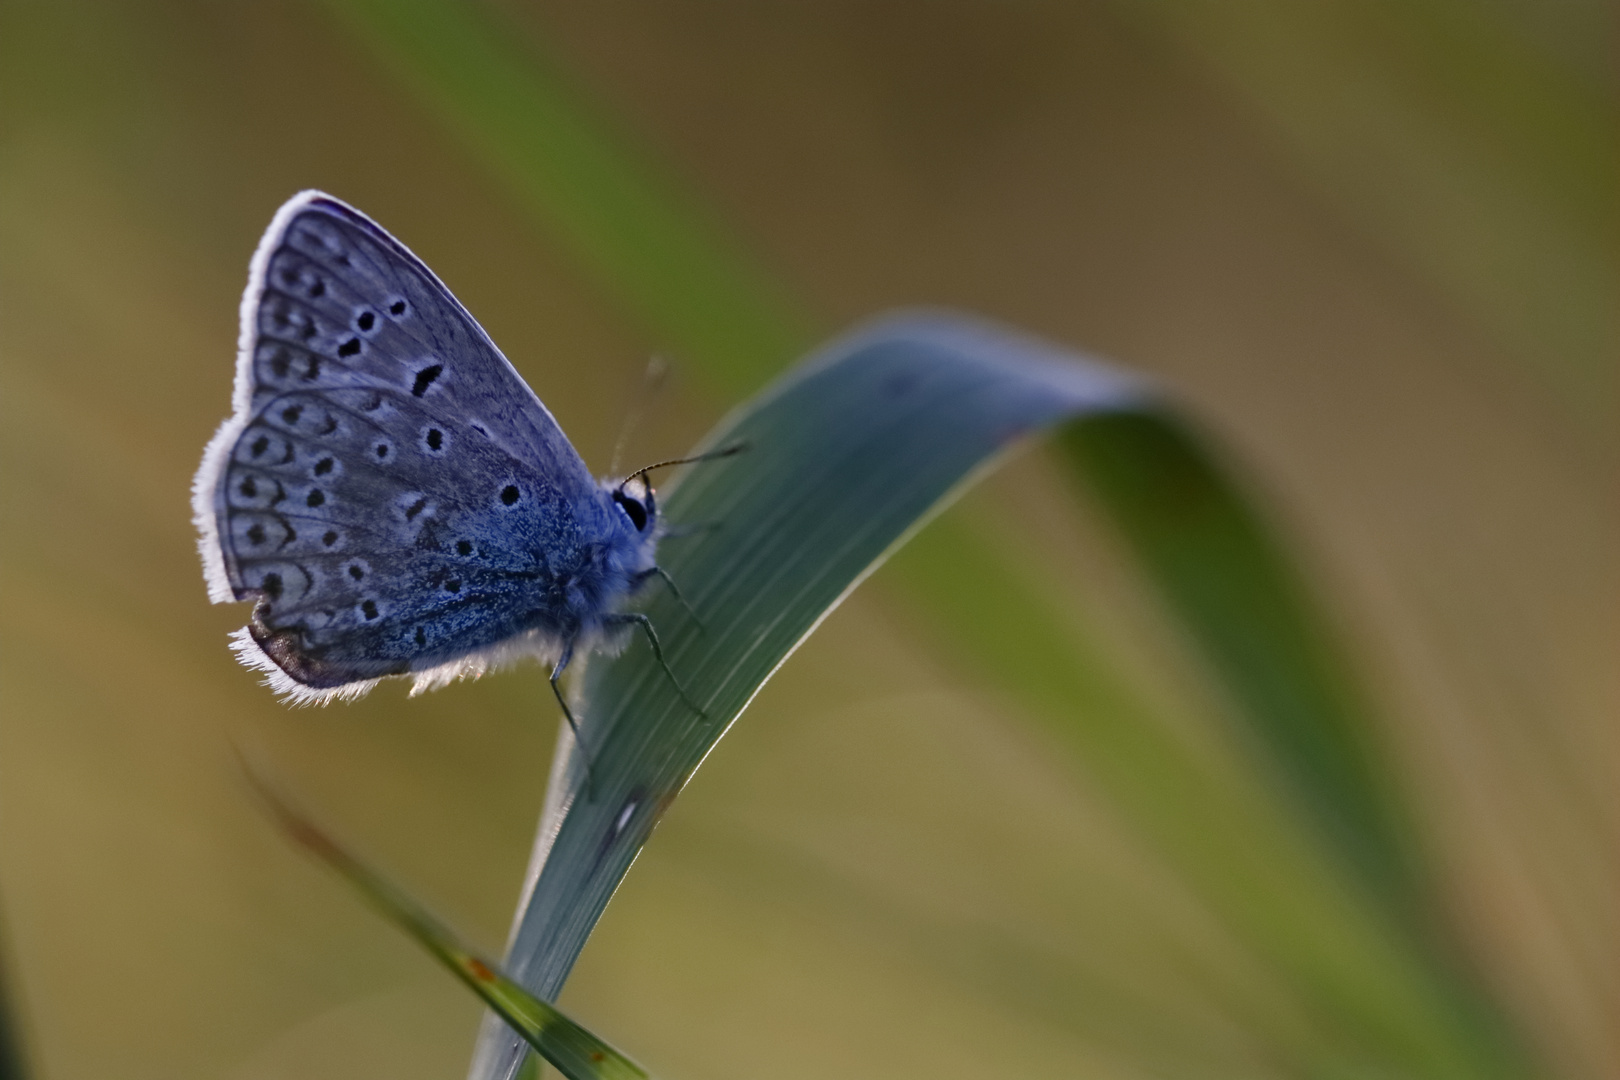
{"type": "Point", "coordinates": [723, 452]}
{"type": "Point", "coordinates": [652, 379]}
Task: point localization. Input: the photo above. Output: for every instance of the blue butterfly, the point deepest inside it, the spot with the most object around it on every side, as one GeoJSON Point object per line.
{"type": "Point", "coordinates": [390, 493]}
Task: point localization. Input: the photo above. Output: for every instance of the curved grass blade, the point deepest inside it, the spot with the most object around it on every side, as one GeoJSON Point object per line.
{"type": "Point", "coordinates": [1233, 590]}
{"type": "Point", "coordinates": [1348, 921]}
{"type": "Point", "coordinates": [847, 457]}
{"type": "Point", "coordinates": [650, 249]}
{"type": "Point", "coordinates": [577, 1053]}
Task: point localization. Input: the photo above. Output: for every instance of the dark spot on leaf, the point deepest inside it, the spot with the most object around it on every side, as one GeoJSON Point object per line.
{"type": "Point", "coordinates": [316, 498]}
{"type": "Point", "coordinates": [415, 508]}
{"type": "Point", "coordinates": [366, 320]}
{"type": "Point", "coordinates": [397, 308]}
{"type": "Point", "coordinates": [435, 439]}
{"type": "Point", "coordinates": [509, 494]}
{"type": "Point", "coordinates": [370, 609]}
{"type": "Point", "coordinates": [323, 466]}
{"type": "Point", "coordinates": [424, 379]}
{"type": "Point", "coordinates": [248, 487]}
{"type": "Point", "coordinates": [291, 413]}
{"type": "Point", "coordinates": [260, 445]}
{"type": "Point", "coordinates": [255, 533]}
{"type": "Point", "coordinates": [382, 450]}
{"type": "Point", "coordinates": [463, 547]}
{"type": "Point", "coordinates": [330, 538]}
{"type": "Point", "coordinates": [356, 573]}
{"type": "Point", "coordinates": [350, 347]}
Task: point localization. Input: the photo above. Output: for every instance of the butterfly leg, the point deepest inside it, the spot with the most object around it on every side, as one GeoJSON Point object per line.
{"type": "Point", "coordinates": [568, 714]}
{"type": "Point", "coordinates": [646, 625]}
{"type": "Point", "coordinates": [660, 572]}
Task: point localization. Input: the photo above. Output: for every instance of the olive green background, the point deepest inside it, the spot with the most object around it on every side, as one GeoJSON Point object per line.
{"type": "Point", "coordinates": [1370, 246]}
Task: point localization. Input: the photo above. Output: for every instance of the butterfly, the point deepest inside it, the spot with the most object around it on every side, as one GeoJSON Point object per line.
{"type": "Point", "coordinates": [388, 491]}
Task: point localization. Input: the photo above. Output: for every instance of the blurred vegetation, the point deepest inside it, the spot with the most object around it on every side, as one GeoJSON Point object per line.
{"type": "Point", "coordinates": [1371, 245]}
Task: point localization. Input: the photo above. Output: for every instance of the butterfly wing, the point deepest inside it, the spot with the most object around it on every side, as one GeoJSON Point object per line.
{"type": "Point", "coordinates": [388, 488]}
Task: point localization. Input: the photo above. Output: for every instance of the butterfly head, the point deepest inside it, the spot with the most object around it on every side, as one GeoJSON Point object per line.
{"type": "Point", "coordinates": [634, 498]}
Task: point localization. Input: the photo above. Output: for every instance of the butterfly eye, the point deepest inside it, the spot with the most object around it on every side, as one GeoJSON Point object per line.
{"type": "Point", "coordinates": [632, 508]}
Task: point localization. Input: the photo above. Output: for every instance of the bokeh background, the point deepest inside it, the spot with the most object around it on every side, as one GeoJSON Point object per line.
{"type": "Point", "coordinates": [1370, 246]}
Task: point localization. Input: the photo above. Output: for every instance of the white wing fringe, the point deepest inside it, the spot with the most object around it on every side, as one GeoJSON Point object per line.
{"type": "Point", "coordinates": [532, 645]}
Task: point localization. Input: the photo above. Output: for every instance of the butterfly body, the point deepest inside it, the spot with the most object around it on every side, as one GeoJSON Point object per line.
{"type": "Point", "coordinates": [388, 491]}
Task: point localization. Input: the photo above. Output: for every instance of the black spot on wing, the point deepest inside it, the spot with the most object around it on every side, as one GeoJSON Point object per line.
{"type": "Point", "coordinates": [425, 378]}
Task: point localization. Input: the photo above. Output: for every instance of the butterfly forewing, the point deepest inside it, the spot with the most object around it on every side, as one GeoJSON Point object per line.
{"type": "Point", "coordinates": [391, 488]}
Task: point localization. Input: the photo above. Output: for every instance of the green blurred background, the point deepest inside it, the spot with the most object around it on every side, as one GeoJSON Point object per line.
{"type": "Point", "coordinates": [1371, 246]}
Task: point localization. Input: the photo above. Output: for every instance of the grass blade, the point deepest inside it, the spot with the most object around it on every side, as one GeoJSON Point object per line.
{"type": "Point", "coordinates": [1231, 588]}
{"type": "Point", "coordinates": [848, 456]}
{"type": "Point", "coordinates": [573, 1050]}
